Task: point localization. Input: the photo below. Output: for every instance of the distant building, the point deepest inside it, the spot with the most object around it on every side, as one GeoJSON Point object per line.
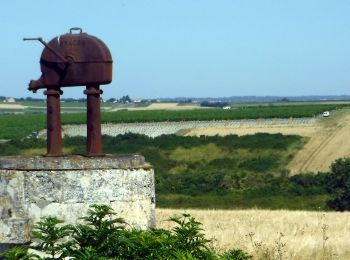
{"type": "Point", "coordinates": [226, 107]}
{"type": "Point", "coordinates": [10, 100]}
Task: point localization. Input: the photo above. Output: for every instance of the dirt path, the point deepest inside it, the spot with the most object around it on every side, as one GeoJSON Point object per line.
{"type": "Point", "coordinates": [330, 142]}
{"type": "Point", "coordinates": [303, 130]}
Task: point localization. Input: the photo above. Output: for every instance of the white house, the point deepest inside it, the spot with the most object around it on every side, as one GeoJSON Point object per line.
{"type": "Point", "coordinates": [10, 100]}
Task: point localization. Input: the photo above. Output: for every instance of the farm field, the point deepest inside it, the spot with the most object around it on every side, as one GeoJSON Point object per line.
{"type": "Point", "coordinates": [297, 126]}
{"type": "Point", "coordinates": [329, 139]}
{"type": "Point", "coordinates": [329, 142]}
{"type": "Point", "coordinates": [162, 106]}
{"type": "Point", "coordinates": [279, 234]}
{"type": "Point", "coordinates": [11, 106]}
{"type": "Point", "coordinates": [40, 106]}
{"type": "Point", "coordinates": [211, 171]}
{"type": "Point", "coordinates": [293, 128]}
{"type": "Point", "coordinates": [328, 136]}
{"type": "Point", "coordinates": [30, 107]}
{"type": "Point", "coordinates": [16, 126]}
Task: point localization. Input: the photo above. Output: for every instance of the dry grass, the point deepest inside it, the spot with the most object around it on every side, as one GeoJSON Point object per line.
{"type": "Point", "coordinates": [168, 106]}
{"type": "Point", "coordinates": [12, 106]}
{"type": "Point", "coordinates": [309, 130]}
{"type": "Point", "coordinates": [281, 234]}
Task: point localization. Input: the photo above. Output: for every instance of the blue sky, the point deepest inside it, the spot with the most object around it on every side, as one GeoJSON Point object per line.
{"type": "Point", "coordinates": [193, 48]}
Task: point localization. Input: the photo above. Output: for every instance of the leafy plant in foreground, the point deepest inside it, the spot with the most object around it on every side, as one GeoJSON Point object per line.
{"type": "Point", "coordinates": [189, 237]}
{"type": "Point", "coordinates": [50, 232]}
{"type": "Point", "coordinates": [16, 253]}
{"type": "Point", "coordinates": [104, 236]}
{"type": "Point", "coordinates": [236, 254]}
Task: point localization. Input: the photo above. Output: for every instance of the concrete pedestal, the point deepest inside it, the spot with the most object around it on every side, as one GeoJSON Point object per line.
{"type": "Point", "coordinates": [32, 187]}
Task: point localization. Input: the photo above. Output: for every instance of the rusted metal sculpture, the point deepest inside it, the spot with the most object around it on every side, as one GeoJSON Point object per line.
{"type": "Point", "coordinates": [73, 59]}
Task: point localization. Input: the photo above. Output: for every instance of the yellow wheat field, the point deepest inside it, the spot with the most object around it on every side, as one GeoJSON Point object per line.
{"type": "Point", "coordinates": [268, 234]}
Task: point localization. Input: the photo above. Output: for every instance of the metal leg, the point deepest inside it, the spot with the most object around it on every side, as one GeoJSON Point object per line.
{"type": "Point", "coordinates": [93, 135]}
{"type": "Point", "coordinates": [54, 131]}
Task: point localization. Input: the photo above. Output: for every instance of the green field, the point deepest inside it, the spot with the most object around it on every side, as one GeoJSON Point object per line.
{"type": "Point", "coordinates": [212, 171]}
{"type": "Point", "coordinates": [217, 114]}
{"type": "Point", "coordinates": [199, 172]}
{"type": "Point", "coordinates": [19, 126]}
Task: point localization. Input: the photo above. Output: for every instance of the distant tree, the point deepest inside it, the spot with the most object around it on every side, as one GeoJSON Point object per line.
{"type": "Point", "coordinates": [339, 185]}
{"type": "Point", "coordinates": [214, 104]}
{"type": "Point", "coordinates": [285, 99]}
{"type": "Point", "coordinates": [69, 100]}
{"type": "Point", "coordinates": [34, 99]}
{"type": "Point", "coordinates": [125, 99]}
{"type": "Point", "coordinates": [111, 100]}
{"type": "Point", "coordinates": [185, 101]}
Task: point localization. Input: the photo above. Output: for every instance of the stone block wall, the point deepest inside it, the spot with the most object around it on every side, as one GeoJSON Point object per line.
{"type": "Point", "coordinates": [32, 187]}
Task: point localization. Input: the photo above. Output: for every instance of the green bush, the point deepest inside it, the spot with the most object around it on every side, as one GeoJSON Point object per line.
{"type": "Point", "coordinates": [260, 164]}
{"type": "Point", "coordinates": [339, 185]}
{"type": "Point", "coordinates": [104, 236]}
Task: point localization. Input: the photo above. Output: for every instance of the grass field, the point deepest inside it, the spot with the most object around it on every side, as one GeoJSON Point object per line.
{"type": "Point", "coordinates": [19, 126]}
{"type": "Point", "coordinates": [269, 234]}
{"type": "Point", "coordinates": [213, 114]}
{"type": "Point", "coordinates": [36, 107]}
{"type": "Point", "coordinates": [214, 165]}
{"type": "Point", "coordinates": [211, 171]}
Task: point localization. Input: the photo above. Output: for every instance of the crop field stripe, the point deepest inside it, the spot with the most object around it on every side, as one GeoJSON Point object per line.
{"type": "Point", "coordinates": [19, 126]}
{"type": "Point", "coordinates": [209, 114]}
{"type": "Point", "coordinates": [153, 129]}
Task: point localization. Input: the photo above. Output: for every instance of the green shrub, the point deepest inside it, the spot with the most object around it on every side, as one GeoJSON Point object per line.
{"type": "Point", "coordinates": [49, 231]}
{"type": "Point", "coordinates": [18, 253]}
{"type": "Point", "coordinates": [104, 236]}
{"type": "Point", "coordinates": [260, 164]}
{"type": "Point", "coordinates": [236, 254]}
{"type": "Point", "coordinates": [339, 185]}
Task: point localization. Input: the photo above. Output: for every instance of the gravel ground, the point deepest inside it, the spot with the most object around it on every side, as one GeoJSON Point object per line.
{"type": "Point", "coordinates": [154, 129]}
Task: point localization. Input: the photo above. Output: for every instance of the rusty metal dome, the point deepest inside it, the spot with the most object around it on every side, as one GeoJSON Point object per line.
{"type": "Point", "coordinates": [74, 59]}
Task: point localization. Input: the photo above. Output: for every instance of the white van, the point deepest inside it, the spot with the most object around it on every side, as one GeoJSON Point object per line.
{"type": "Point", "coordinates": [325, 114]}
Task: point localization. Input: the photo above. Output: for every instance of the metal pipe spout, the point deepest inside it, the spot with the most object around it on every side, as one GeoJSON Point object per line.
{"type": "Point", "coordinates": [34, 85]}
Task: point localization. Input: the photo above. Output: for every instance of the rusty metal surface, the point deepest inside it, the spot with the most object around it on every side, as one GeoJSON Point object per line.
{"type": "Point", "coordinates": [54, 131]}
{"type": "Point", "coordinates": [73, 59]}
{"type": "Point", "coordinates": [93, 120]}
{"type": "Point", "coordinates": [73, 162]}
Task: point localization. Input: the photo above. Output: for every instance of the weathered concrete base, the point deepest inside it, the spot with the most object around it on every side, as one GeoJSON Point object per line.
{"type": "Point", "coordinates": [32, 187]}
